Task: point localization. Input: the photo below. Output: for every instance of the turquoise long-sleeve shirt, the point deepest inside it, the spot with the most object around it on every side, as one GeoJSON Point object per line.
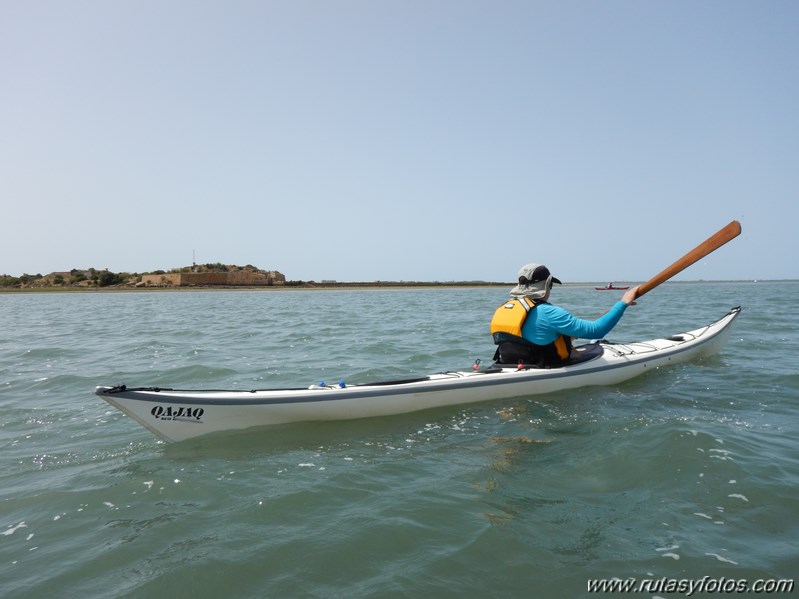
{"type": "Point", "coordinates": [545, 322]}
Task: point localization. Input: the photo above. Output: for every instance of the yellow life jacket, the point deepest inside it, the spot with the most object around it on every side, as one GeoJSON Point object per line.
{"type": "Point", "coordinates": [512, 348]}
{"type": "Point", "coordinates": [510, 316]}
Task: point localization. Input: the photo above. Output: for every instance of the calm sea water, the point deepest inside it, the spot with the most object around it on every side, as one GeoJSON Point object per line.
{"type": "Point", "coordinates": [686, 472]}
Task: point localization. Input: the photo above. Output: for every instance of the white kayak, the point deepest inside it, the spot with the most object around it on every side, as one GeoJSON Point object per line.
{"type": "Point", "coordinates": [177, 415]}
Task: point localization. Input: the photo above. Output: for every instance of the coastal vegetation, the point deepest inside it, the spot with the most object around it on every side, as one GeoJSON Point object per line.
{"type": "Point", "coordinates": [74, 278]}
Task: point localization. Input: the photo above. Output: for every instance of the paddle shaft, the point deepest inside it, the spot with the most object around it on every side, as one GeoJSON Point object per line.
{"type": "Point", "coordinates": [711, 244]}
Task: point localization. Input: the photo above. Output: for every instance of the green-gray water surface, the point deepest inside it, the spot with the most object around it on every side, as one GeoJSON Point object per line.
{"type": "Point", "coordinates": [686, 472]}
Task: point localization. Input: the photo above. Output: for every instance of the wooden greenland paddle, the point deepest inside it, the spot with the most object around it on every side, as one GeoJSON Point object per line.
{"type": "Point", "coordinates": [710, 244]}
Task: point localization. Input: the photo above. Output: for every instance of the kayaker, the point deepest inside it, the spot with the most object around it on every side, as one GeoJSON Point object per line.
{"type": "Point", "coordinates": [529, 330]}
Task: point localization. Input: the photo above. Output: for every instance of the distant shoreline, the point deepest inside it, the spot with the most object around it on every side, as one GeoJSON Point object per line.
{"type": "Point", "coordinates": [377, 285]}
{"type": "Point", "coordinates": [277, 288]}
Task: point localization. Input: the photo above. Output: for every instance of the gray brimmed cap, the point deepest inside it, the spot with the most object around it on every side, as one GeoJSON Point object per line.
{"type": "Point", "coordinates": [534, 281]}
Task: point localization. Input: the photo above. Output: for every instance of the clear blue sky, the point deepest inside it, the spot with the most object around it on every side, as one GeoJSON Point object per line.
{"type": "Point", "coordinates": [430, 140]}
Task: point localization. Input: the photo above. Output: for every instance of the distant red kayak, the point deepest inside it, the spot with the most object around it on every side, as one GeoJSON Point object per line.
{"type": "Point", "coordinates": [612, 288]}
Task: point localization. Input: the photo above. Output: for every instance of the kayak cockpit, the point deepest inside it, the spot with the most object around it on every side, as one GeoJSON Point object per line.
{"type": "Point", "coordinates": [579, 354]}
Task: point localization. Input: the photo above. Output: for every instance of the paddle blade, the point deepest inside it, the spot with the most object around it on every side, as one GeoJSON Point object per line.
{"type": "Point", "coordinates": [711, 244]}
